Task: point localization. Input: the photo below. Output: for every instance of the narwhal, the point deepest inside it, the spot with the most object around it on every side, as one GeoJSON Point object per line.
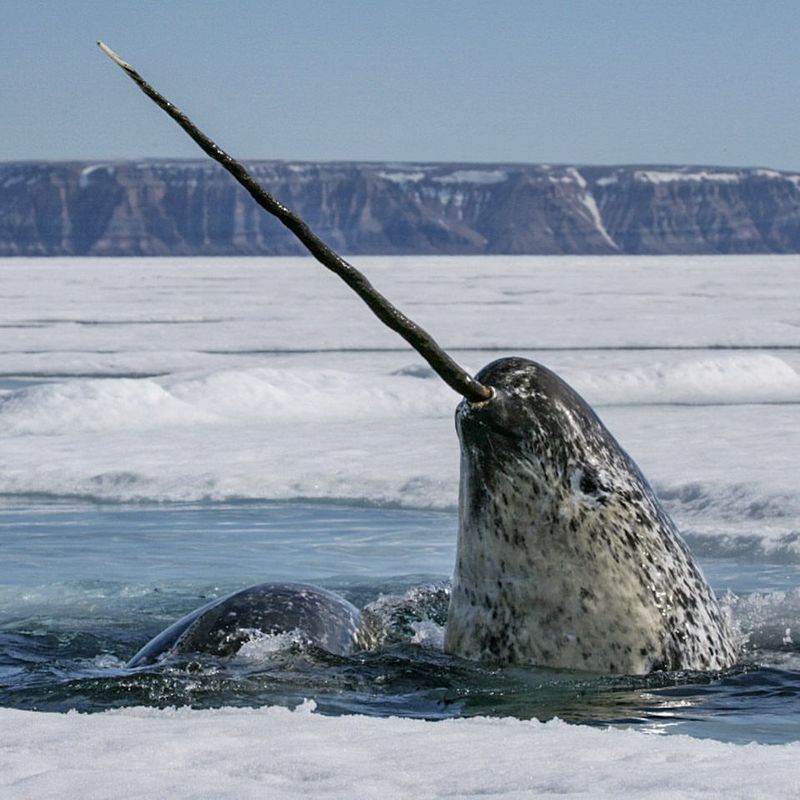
{"type": "Point", "coordinates": [565, 557]}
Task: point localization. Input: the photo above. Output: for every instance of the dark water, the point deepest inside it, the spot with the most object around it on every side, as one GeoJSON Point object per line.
{"type": "Point", "coordinates": [83, 587]}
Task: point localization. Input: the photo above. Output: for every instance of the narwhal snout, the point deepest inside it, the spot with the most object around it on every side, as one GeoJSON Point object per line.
{"type": "Point", "coordinates": [480, 404]}
{"type": "Point", "coordinates": [489, 421]}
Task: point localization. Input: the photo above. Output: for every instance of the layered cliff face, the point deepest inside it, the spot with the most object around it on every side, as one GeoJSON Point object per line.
{"type": "Point", "coordinates": [194, 208]}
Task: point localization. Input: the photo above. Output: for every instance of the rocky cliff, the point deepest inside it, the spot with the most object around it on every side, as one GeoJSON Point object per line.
{"type": "Point", "coordinates": [194, 208]}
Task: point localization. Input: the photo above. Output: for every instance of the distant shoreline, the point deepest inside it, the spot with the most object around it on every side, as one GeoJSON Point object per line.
{"type": "Point", "coordinates": [165, 207]}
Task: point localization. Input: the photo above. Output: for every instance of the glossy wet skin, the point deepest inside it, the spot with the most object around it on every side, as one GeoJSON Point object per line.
{"type": "Point", "coordinates": [565, 557]}
{"type": "Point", "coordinates": [319, 617]}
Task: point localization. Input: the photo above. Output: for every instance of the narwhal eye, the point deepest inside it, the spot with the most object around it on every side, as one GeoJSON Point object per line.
{"type": "Point", "coordinates": [588, 484]}
{"type": "Point", "coordinates": [587, 481]}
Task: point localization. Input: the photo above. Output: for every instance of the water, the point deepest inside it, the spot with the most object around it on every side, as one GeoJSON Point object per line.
{"type": "Point", "coordinates": [84, 585]}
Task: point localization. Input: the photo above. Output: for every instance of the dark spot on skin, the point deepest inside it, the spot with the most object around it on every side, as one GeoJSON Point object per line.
{"type": "Point", "coordinates": [588, 484]}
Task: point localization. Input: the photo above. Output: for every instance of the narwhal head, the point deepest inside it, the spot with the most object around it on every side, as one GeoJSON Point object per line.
{"type": "Point", "coordinates": [538, 427]}
{"type": "Point", "coordinates": [563, 551]}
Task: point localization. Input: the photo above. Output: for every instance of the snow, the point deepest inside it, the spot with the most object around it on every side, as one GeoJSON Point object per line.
{"type": "Point", "coordinates": [276, 753]}
{"type": "Point", "coordinates": [576, 176]}
{"type": "Point", "coordinates": [586, 198]}
{"type": "Point", "coordinates": [13, 180]}
{"type": "Point", "coordinates": [181, 380]}
{"type": "Point", "coordinates": [474, 176]}
{"type": "Point", "coordinates": [86, 173]}
{"type": "Point", "coordinates": [768, 173]}
{"type": "Point", "coordinates": [730, 379]}
{"type": "Point", "coordinates": [402, 177]}
{"type": "Point", "coordinates": [666, 176]}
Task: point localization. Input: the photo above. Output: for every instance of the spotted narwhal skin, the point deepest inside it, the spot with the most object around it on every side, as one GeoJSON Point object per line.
{"type": "Point", "coordinates": [565, 557]}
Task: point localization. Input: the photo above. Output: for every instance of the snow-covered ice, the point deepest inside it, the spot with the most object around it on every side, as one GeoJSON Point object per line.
{"type": "Point", "coordinates": [275, 753]}
{"type": "Point", "coordinates": [186, 380]}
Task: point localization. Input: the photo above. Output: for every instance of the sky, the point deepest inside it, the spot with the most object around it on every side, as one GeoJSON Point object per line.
{"type": "Point", "coordinates": [714, 83]}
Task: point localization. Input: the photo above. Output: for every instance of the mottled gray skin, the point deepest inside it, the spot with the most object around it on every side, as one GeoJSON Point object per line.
{"type": "Point", "coordinates": [221, 627]}
{"type": "Point", "coordinates": [565, 557]}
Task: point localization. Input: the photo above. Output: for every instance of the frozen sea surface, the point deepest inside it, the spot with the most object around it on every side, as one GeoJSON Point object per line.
{"type": "Point", "coordinates": [174, 429]}
{"type": "Point", "coordinates": [266, 379]}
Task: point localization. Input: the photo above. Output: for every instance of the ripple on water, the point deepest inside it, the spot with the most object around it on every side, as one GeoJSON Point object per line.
{"type": "Point", "coordinates": [65, 634]}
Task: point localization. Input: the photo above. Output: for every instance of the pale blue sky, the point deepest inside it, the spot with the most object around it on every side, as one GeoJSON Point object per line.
{"type": "Point", "coordinates": [561, 82]}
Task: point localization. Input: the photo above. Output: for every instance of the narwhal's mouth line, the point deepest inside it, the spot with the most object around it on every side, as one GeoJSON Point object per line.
{"type": "Point", "coordinates": [478, 404]}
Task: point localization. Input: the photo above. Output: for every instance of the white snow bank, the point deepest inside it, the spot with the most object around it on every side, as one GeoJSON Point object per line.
{"type": "Point", "coordinates": [670, 176]}
{"type": "Point", "coordinates": [726, 379]}
{"type": "Point", "coordinates": [302, 395]}
{"type": "Point", "coordinates": [267, 379]}
{"type": "Point", "coordinates": [274, 753]}
{"type": "Point", "coordinates": [257, 394]}
{"type": "Point", "coordinates": [97, 405]}
{"type": "Point", "coordinates": [402, 177]}
{"type": "Point", "coordinates": [474, 176]}
{"type": "Point", "coordinates": [388, 437]}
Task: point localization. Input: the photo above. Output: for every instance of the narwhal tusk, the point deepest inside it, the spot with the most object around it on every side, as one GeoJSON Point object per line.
{"type": "Point", "coordinates": [454, 375]}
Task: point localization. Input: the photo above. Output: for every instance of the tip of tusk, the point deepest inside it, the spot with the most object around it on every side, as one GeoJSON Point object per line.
{"type": "Point", "coordinates": [112, 55]}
